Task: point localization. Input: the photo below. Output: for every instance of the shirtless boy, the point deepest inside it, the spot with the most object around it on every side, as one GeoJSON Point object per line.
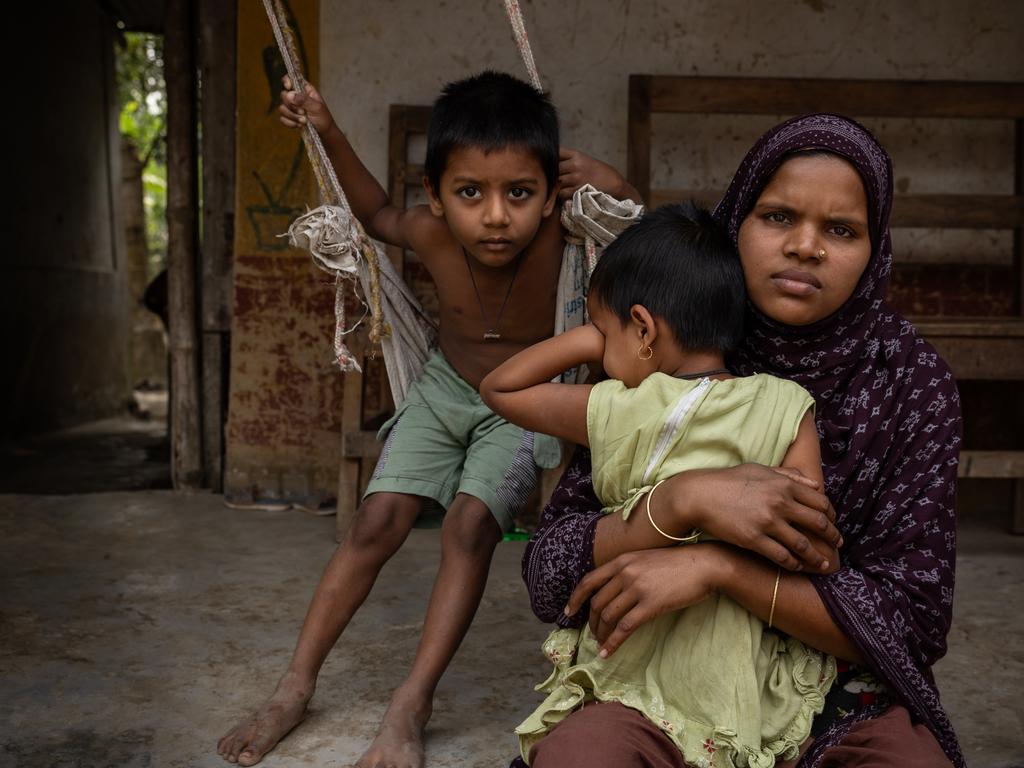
{"type": "Point", "coordinates": [494, 249]}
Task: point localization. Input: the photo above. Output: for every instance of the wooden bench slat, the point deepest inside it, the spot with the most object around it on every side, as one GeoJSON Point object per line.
{"type": "Point", "coordinates": [872, 98]}
{"type": "Point", "coordinates": [969, 327]}
{"type": "Point", "coordinates": [979, 348]}
{"type": "Point", "coordinates": [991, 464]}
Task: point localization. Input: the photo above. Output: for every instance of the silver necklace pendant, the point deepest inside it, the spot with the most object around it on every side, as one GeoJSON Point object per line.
{"type": "Point", "coordinates": [491, 335]}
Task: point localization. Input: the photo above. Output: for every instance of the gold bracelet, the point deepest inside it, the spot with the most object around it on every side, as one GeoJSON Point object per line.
{"type": "Point", "coordinates": [775, 594]}
{"type": "Point", "coordinates": [647, 503]}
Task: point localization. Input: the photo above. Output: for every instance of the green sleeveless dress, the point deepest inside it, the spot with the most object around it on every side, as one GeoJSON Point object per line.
{"type": "Point", "coordinates": [726, 689]}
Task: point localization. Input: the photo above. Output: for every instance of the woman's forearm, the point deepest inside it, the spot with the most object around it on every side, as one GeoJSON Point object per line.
{"type": "Point", "coordinates": [753, 507]}
{"type": "Point", "coordinates": [799, 611]}
{"type": "Point", "coordinates": [615, 536]}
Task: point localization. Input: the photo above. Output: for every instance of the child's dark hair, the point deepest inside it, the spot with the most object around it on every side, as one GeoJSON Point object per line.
{"type": "Point", "coordinates": [492, 111]}
{"type": "Point", "coordinates": [683, 267]}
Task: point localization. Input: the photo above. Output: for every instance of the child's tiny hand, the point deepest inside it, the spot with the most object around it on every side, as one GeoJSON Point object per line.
{"type": "Point", "coordinates": [299, 108]}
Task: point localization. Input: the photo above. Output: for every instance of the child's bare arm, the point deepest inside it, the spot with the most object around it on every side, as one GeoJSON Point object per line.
{"type": "Point", "coordinates": [369, 202]}
{"type": "Point", "coordinates": [520, 389]}
{"type": "Point", "coordinates": [577, 168]}
{"type": "Point", "coordinates": [804, 455]}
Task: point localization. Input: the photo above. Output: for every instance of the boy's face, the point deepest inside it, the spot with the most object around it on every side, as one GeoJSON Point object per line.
{"type": "Point", "coordinates": [493, 202]}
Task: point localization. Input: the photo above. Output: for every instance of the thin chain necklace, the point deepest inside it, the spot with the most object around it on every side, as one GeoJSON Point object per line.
{"type": "Point", "coordinates": [492, 333]}
{"type": "Point", "coordinates": [702, 374]}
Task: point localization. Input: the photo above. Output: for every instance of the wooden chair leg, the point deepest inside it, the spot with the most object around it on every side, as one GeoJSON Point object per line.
{"type": "Point", "coordinates": [348, 472]}
{"type": "Point", "coordinates": [1018, 507]}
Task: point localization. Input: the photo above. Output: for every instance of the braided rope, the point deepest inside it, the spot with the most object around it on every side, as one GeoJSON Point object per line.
{"type": "Point", "coordinates": [515, 18]}
{"type": "Point", "coordinates": [332, 193]}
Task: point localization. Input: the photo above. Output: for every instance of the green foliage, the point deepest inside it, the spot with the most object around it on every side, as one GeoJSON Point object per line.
{"type": "Point", "coordinates": [143, 120]}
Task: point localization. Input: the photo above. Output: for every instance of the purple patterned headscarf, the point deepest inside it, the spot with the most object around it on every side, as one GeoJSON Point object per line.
{"type": "Point", "coordinates": [888, 416]}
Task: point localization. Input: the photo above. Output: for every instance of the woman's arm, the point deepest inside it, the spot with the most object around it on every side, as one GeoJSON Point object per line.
{"type": "Point", "coordinates": [636, 587]}
{"type": "Point", "coordinates": [520, 389]}
{"type": "Point", "coordinates": [750, 506]}
{"type": "Point", "coordinates": [783, 515]}
{"type": "Point", "coordinates": [561, 551]}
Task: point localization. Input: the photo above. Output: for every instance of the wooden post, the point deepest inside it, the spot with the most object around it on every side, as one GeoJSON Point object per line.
{"type": "Point", "coordinates": [217, 33]}
{"type": "Point", "coordinates": [638, 146]}
{"type": "Point", "coordinates": [179, 69]}
{"type": "Point", "coordinates": [1018, 268]}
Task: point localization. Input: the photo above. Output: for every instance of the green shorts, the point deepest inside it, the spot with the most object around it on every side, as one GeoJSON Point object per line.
{"type": "Point", "coordinates": [443, 441]}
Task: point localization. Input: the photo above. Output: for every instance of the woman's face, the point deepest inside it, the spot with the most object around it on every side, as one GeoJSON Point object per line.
{"type": "Point", "coordinates": [806, 243]}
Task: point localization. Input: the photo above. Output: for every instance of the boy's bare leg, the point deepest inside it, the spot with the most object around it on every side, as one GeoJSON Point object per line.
{"type": "Point", "coordinates": [381, 525]}
{"type": "Point", "coordinates": [469, 536]}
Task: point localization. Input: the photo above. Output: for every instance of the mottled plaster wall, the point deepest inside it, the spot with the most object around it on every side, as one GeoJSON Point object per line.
{"type": "Point", "coordinates": [403, 50]}
{"type": "Point", "coordinates": [284, 412]}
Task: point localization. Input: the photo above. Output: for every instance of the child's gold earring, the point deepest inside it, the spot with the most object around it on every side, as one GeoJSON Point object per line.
{"type": "Point", "coordinates": [640, 352]}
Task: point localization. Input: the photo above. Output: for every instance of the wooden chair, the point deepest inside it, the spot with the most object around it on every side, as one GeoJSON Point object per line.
{"type": "Point", "coordinates": [986, 348]}
{"type": "Point", "coordinates": [360, 418]}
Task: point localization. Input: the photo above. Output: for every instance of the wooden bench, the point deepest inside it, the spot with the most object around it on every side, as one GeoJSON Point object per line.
{"type": "Point", "coordinates": [987, 348]}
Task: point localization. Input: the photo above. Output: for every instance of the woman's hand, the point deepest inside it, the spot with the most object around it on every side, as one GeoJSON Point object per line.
{"type": "Point", "coordinates": [299, 108]}
{"type": "Point", "coordinates": [776, 512]}
{"type": "Point", "coordinates": [638, 586]}
{"type": "Point", "coordinates": [576, 169]}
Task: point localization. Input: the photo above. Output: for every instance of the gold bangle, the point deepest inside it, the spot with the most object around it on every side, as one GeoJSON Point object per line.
{"type": "Point", "coordinates": [647, 503]}
{"type": "Point", "coordinates": [775, 594]}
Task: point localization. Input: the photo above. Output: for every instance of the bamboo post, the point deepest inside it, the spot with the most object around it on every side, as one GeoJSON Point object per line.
{"type": "Point", "coordinates": [217, 33]}
{"type": "Point", "coordinates": [179, 68]}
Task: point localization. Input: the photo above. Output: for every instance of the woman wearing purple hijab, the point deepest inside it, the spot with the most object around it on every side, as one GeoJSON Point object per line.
{"type": "Point", "coordinates": [809, 210]}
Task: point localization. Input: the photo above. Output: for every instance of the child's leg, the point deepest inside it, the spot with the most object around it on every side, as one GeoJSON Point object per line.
{"type": "Point", "coordinates": [469, 536]}
{"type": "Point", "coordinates": [380, 526]}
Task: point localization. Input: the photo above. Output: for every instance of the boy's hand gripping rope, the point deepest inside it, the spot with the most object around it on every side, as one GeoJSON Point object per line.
{"type": "Point", "coordinates": [336, 241]}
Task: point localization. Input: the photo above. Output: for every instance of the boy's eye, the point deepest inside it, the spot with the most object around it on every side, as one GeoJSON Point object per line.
{"type": "Point", "coordinates": [469, 193]}
{"type": "Point", "coordinates": [518, 193]}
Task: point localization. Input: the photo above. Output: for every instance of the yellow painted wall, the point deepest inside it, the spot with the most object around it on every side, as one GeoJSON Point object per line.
{"type": "Point", "coordinates": [285, 394]}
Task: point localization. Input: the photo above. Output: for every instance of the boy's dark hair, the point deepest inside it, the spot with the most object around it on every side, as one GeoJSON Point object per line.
{"type": "Point", "coordinates": [492, 111]}
{"type": "Point", "coordinates": [680, 264]}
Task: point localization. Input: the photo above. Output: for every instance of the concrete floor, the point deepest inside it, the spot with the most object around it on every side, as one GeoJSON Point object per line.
{"type": "Point", "coordinates": [136, 627]}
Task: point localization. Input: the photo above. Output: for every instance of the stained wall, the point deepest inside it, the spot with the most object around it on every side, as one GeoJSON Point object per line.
{"type": "Point", "coordinates": [284, 411]}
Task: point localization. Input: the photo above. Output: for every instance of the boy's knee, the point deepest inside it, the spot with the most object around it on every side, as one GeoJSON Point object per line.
{"type": "Point", "coordinates": [381, 523]}
{"type": "Point", "coordinates": [469, 526]}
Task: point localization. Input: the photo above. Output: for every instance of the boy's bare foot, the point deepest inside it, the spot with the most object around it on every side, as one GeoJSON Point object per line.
{"type": "Point", "coordinates": [399, 742]}
{"type": "Point", "coordinates": [251, 739]}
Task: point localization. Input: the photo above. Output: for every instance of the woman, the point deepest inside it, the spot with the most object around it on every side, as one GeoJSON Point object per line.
{"type": "Point", "coordinates": [888, 415]}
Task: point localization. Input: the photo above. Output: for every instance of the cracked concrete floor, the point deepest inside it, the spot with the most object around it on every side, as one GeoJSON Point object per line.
{"type": "Point", "coordinates": [137, 627]}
